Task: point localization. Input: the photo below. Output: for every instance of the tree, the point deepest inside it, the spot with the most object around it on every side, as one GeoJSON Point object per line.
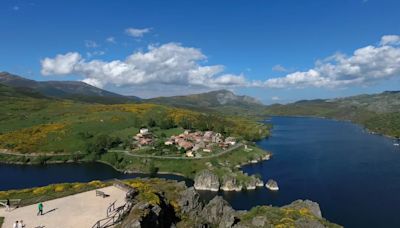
{"type": "Point", "coordinates": [167, 123]}
{"type": "Point", "coordinates": [153, 170]}
{"type": "Point", "coordinates": [101, 143]}
{"type": "Point", "coordinates": [151, 122]}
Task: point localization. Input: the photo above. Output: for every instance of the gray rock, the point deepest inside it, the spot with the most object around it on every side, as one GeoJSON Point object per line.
{"type": "Point", "coordinates": [272, 185]}
{"type": "Point", "coordinates": [219, 212]}
{"type": "Point", "coordinates": [230, 183]}
{"type": "Point", "coordinates": [189, 201]}
{"type": "Point", "coordinates": [206, 180]}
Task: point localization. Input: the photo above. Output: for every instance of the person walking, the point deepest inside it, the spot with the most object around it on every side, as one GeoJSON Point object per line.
{"type": "Point", "coordinates": [15, 225]}
{"type": "Point", "coordinates": [21, 224]}
{"type": "Point", "coordinates": [40, 209]}
{"type": "Point", "coordinates": [8, 205]}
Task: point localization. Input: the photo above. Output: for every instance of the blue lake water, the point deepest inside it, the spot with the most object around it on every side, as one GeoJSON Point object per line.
{"type": "Point", "coordinates": [26, 176]}
{"type": "Point", "coordinates": [354, 176]}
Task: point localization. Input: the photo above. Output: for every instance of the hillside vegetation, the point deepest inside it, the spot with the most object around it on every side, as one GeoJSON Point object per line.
{"type": "Point", "coordinates": [378, 112]}
{"type": "Point", "coordinates": [31, 124]}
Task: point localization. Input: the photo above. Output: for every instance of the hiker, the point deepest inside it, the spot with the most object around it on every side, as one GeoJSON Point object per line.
{"type": "Point", "coordinates": [15, 225]}
{"type": "Point", "coordinates": [21, 224]}
{"type": "Point", "coordinates": [40, 209]}
{"type": "Point", "coordinates": [8, 205]}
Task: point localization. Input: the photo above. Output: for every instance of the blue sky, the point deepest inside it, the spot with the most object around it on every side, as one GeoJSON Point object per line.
{"type": "Point", "coordinates": [152, 48]}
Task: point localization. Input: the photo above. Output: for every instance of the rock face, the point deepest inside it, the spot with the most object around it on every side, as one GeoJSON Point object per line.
{"type": "Point", "coordinates": [189, 201]}
{"type": "Point", "coordinates": [218, 212]}
{"type": "Point", "coordinates": [272, 185]}
{"type": "Point", "coordinates": [181, 207]}
{"type": "Point", "coordinates": [230, 183]}
{"type": "Point", "coordinates": [206, 180]}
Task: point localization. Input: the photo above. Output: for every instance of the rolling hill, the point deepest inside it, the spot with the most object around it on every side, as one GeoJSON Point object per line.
{"type": "Point", "coordinates": [74, 90]}
{"type": "Point", "coordinates": [378, 112]}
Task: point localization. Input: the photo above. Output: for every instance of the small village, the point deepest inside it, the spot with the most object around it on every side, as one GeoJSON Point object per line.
{"type": "Point", "coordinates": [192, 143]}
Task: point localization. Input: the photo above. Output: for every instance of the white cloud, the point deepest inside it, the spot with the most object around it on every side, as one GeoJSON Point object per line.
{"type": "Point", "coordinates": [91, 44]}
{"type": "Point", "coordinates": [365, 66]}
{"type": "Point", "coordinates": [390, 40]}
{"type": "Point", "coordinates": [168, 64]}
{"type": "Point", "coordinates": [61, 64]}
{"type": "Point", "coordinates": [173, 66]}
{"type": "Point", "coordinates": [137, 33]}
{"type": "Point", "coordinates": [111, 39]}
{"type": "Point", "coordinates": [279, 68]}
{"type": "Point", "coordinates": [275, 98]}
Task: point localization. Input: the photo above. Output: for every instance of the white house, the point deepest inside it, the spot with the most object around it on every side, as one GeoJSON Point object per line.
{"type": "Point", "coordinates": [144, 131]}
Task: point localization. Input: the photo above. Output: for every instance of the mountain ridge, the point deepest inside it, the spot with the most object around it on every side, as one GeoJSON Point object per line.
{"type": "Point", "coordinates": [74, 90]}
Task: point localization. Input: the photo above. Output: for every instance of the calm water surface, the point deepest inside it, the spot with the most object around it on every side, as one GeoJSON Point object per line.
{"type": "Point", "coordinates": [354, 176]}
{"type": "Point", "coordinates": [26, 176]}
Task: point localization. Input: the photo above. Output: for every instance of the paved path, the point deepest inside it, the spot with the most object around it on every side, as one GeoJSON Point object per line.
{"type": "Point", "coordinates": [238, 145]}
{"type": "Point", "coordinates": [80, 210]}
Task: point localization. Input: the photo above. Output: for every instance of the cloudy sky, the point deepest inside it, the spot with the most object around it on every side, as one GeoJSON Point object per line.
{"type": "Point", "coordinates": [277, 51]}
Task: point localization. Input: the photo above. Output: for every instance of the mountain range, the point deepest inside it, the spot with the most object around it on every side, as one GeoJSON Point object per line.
{"type": "Point", "coordinates": [74, 90]}
{"type": "Point", "coordinates": [378, 112]}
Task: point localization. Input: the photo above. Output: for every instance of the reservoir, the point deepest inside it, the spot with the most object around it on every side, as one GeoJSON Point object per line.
{"type": "Point", "coordinates": [353, 175]}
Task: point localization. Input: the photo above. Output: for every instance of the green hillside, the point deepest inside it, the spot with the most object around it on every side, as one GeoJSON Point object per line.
{"type": "Point", "coordinates": [378, 112]}
{"type": "Point", "coordinates": [38, 124]}
{"type": "Point", "coordinates": [73, 90]}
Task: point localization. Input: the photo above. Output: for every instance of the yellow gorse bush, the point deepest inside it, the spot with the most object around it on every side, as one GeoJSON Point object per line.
{"type": "Point", "coordinates": [28, 139]}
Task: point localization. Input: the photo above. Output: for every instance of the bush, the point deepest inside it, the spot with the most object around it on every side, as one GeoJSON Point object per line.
{"type": "Point", "coordinates": [59, 188]}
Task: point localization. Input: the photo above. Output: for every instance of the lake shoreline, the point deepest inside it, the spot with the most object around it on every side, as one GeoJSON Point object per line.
{"type": "Point", "coordinates": [368, 131]}
{"type": "Point", "coordinates": [266, 157]}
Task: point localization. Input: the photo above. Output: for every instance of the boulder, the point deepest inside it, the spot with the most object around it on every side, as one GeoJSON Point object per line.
{"type": "Point", "coordinates": [206, 180]}
{"type": "Point", "coordinates": [230, 183]}
{"type": "Point", "coordinates": [272, 185]}
{"type": "Point", "coordinates": [219, 213]}
{"type": "Point", "coordinates": [259, 182]}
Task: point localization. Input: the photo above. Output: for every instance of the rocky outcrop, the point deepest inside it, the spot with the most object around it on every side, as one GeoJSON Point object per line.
{"type": "Point", "coordinates": [206, 180]}
{"type": "Point", "coordinates": [181, 207]}
{"type": "Point", "coordinates": [272, 185]}
{"type": "Point", "coordinates": [254, 182]}
{"type": "Point", "coordinates": [259, 182]}
{"type": "Point", "coordinates": [219, 213]}
{"type": "Point", "coordinates": [189, 201]}
{"type": "Point", "coordinates": [230, 183]}
{"type": "Point", "coordinates": [313, 207]}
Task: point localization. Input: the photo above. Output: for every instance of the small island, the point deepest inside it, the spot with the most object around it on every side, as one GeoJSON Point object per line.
{"type": "Point", "coordinates": [272, 185]}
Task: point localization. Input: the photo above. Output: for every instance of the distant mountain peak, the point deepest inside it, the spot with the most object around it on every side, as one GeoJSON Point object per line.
{"type": "Point", "coordinates": [210, 99]}
{"type": "Point", "coordinates": [75, 90]}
